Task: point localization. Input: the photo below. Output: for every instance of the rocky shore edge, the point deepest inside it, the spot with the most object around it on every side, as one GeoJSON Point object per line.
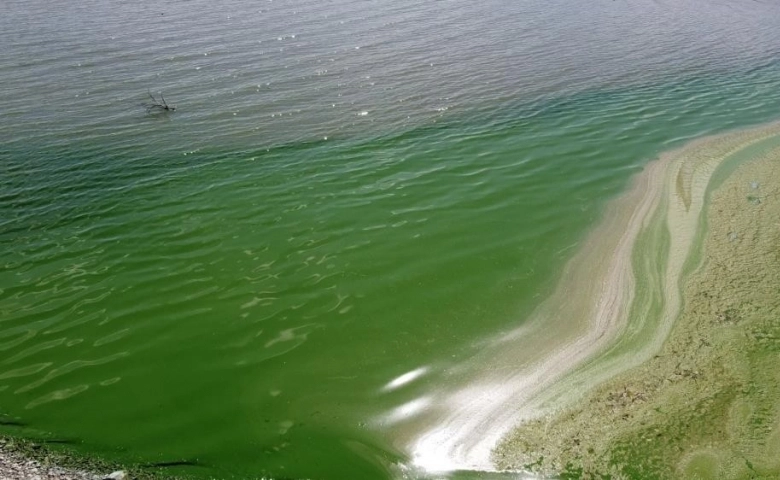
{"type": "Point", "coordinates": [22, 459]}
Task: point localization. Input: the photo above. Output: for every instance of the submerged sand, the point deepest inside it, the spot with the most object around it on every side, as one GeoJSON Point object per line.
{"type": "Point", "coordinates": [609, 320]}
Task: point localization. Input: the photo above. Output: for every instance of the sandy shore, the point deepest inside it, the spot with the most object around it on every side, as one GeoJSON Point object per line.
{"type": "Point", "coordinates": [707, 403]}
{"type": "Point", "coordinates": [613, 310]}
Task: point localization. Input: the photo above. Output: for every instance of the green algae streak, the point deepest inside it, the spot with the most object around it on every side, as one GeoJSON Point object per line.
{"type": "Point", "coordinates": [705, 405]}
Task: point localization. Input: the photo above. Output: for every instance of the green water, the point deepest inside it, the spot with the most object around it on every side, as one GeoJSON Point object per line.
{"type": "Point", "coordinates": [213, 287]}
{"type": "Point", "coordinates": [245, 308]}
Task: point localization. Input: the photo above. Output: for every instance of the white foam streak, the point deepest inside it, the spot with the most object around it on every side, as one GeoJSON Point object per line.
{"type": "Point", "coordinates": [404, 379]}
{"type": "Point", "coordinates": [407, 410]}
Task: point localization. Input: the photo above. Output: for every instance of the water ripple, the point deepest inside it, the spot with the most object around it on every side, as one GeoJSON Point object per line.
{"type": "Point", "coordinates": [270, 237]}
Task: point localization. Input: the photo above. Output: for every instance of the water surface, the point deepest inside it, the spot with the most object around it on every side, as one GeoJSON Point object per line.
{"type": "Point", "coordinates": [347, 193]}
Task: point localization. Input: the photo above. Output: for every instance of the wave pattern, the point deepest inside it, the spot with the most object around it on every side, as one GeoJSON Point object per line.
{"type": "Point", "coordinates": [349, 194]}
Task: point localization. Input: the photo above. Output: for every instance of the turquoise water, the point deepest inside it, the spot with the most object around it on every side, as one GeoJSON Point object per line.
{"type": "Point", "coordinates": [347, 192]}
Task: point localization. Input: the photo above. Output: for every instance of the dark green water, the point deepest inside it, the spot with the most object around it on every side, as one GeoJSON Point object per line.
{"type": "Point", "coordinates": [241, 291]}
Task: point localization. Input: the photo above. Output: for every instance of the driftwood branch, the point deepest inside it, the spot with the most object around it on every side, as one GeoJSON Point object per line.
{"type": "Point", "coordinates": [159, 106]}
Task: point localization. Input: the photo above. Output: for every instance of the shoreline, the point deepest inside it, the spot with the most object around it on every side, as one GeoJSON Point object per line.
{"type": "Point", "coordinates": [615, 305]}
{"type": "Point", "coordinates": [29, 460]}
{"type": "Point", "coordinates": [22, 458]}
{"type": "Point", "coordinates": [704, 405]}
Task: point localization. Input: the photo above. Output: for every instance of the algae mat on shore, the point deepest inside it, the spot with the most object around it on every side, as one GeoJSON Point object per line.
{"type": "Point", "coordinates": [707, 403]}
